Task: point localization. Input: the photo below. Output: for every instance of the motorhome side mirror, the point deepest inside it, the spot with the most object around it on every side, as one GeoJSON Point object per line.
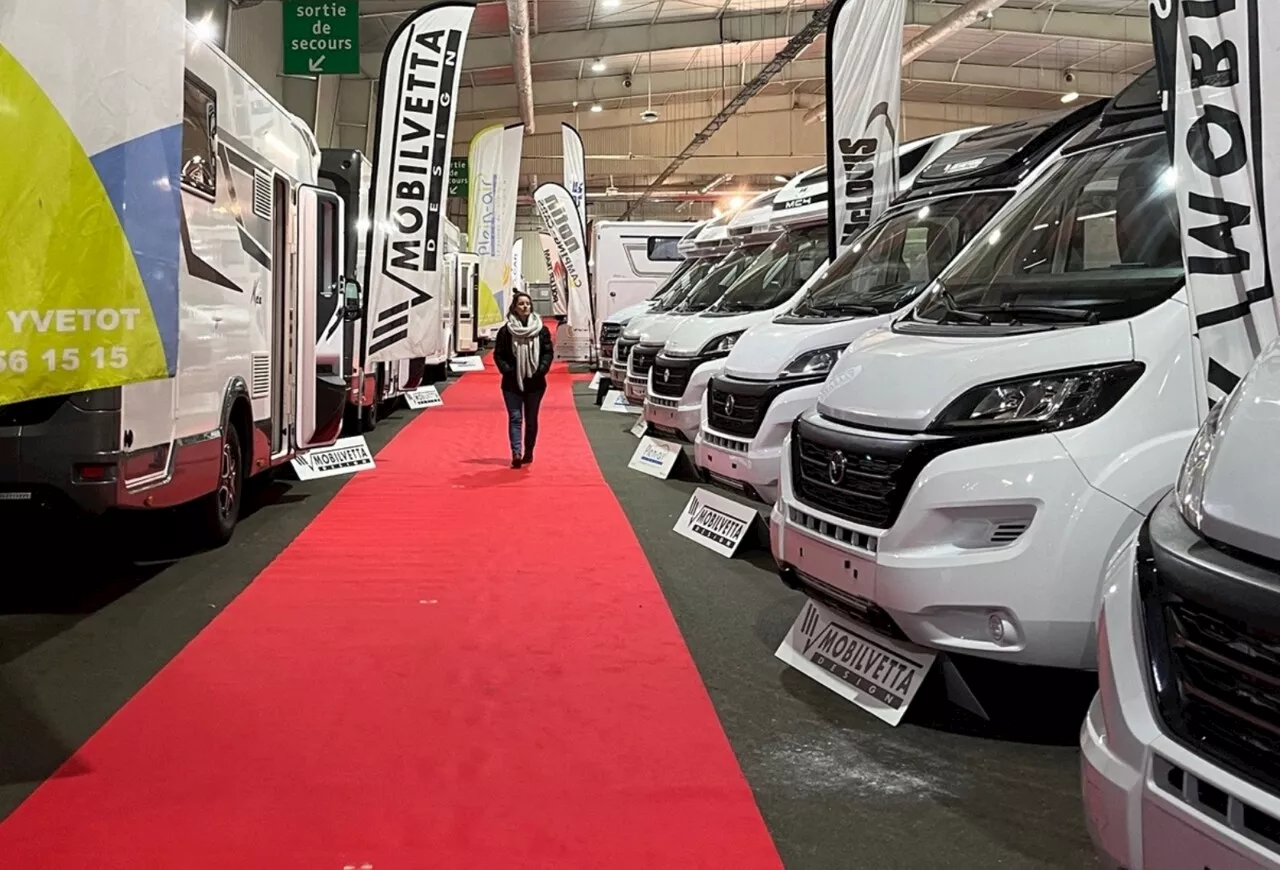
{"type": "Point", "coordinates": [351, 306]}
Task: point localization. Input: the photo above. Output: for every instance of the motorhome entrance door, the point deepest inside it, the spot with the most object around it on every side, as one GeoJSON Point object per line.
{"type": "Point", "coordinates": [321, 386]}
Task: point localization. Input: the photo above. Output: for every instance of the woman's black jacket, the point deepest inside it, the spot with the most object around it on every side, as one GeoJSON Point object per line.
{"type": "Point", "coordinates": [504, 357]}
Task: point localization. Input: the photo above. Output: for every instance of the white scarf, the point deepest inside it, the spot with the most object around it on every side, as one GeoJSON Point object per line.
{"type": "Point", "coordinates": [526, 344]}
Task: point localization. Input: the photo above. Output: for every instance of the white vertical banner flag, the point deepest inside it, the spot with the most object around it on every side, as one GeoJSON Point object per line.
{"type": "Point", "coordinates": [565, 226]}
{"type": "Point", "coordinates": [413, 142]}
{"type": "Point", "coordinates": [575, 170]}
{"type": "Point", "coordinates": [1213, 58]}
{"type": "Point", "coordinates": [555, 274]}
{"type": "Point", "coordinates": [494, 166]}
{"type": "Point", "coordinates": [864, 92]}
{"type": "Point", "coordinates": [517, 265]}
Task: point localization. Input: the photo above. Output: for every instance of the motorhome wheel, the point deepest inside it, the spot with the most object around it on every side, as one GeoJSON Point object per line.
{"type": "Point", "coordinates": [219, 511]}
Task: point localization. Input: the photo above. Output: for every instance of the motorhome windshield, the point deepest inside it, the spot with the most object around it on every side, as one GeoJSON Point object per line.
{"type": "Point", "coordinates": [720, 279]}
{"type": "Point", "coordinates": [684, 284]}
{"type": "Point", "coordinates": [778, 273]}
{"type": "Point", "coordinates": [898, 257]}
{"type": "Point", "coordinates": [1097, 239]}
{"type": "Point", "coordinates": [667, 285]}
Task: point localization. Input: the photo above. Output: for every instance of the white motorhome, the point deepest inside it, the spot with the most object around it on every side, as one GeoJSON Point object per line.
{"type": "Point", "coordinates": [968, 473]}
{"type": "Point", "coordinates": [612, 326]}
{"type": "Point", "coordinates": [705, 246]}
{"type": "Point", "coordinates": [464, 275]}
{"type": "Point", "coordinates": [777, 367]}
{"type": "Point", "coordinates": [257, 379]}
{"type": "Point", "coordinates": [735, 241]}
{"type": "Point", "coordinates": [630, 260]}
{"type": "Point", "coordinates": [1180, 765]}
{"type": "Point", "coordinates": [696, 347]}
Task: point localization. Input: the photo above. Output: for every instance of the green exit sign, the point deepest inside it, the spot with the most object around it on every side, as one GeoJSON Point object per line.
{"type": "Point", "coordinates": [321, 38]}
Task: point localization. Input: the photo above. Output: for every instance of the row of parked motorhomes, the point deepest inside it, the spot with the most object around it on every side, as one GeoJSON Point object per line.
{"type": "Point", "coordinates": [271, 358]}
{"type": "Point", "coordinates": [966, 429]}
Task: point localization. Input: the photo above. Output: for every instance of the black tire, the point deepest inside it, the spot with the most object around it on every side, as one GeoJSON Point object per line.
{"type": "Point", "coordinates": [369, 417]}
{"type": "Point", "coordinates": [219, 511]}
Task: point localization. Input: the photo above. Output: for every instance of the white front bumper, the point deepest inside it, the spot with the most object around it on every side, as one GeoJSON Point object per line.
{"type": "Point", "coordinates": [1137, 820]}
{"type": "Point", "coordinates": [680, 416]}
{"type": "Point", "coordinates": [755, 462]}
{"type": "Point", "coordinates": [951, 565]}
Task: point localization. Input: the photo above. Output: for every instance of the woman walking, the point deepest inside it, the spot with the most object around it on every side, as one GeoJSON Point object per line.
{"type": "Point", "coordinates": [523, 353]}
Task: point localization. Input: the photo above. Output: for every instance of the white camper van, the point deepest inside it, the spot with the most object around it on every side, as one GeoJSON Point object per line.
{"type": "Point", "coordinates": [1180, 765]}
{"type": "Point", "coordinates": [776, 369]}
{"type": "Point", "coordinates": [968, 474]}
{"type": "Point", "coordinates": [257, 379]}
{"type": "Point", "coordinates": [465, 279]}
{"type": "Point", "coordinates": [703, 247]}
{"type": "Point", "coordinates": [697, 346]}
{"type": "Point", "coordinates": [630, 260]}
{"type": "Point", "coordinates": [611, 327]}
{"type": "Point", "coordinates": [744, 236]}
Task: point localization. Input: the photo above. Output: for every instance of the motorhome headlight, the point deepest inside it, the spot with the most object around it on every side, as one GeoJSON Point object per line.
{"type": "Point", "coordinates": [815, 362]}
{"type": "Point", "coordinates": [1189, 491]}
{"type": "Point", "coordinates": [721, 345]}
{"type": "Point", "coordinates": [1041, 403]}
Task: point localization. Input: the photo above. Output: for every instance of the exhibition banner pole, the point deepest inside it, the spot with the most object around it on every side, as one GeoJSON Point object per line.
{"type": "Point", "coordinates": [413, 141]}
{"type": "Point", "coordinates": [555, 275]}
{"type": "Point", "coordinates": [575, 169]}
{"type": "Point", "coordinates": [864, 93]}
{"type": "Point", "coordinates": [491, 222]}
{"type": "Point", "coordinates": [1213, 61]}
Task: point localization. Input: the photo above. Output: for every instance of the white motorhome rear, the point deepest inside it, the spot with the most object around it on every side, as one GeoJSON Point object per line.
{"type": "Point", "coordinates": [259, 375]}
{"type": "Point", "coordinates": [630, 260]}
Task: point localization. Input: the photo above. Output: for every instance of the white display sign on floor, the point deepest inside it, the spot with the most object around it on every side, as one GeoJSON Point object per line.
{"type": "Point", "coordinates": [616, 402]}
{"type": "Point", "coordinates": [640, 429]}
{"type": "Point", "coordinates": [347, 456]}
{"type": "Point", "coordinates": [655, 457]}
{"type": "Point", "coordinates": [424, 397]}
{"type": "Point", "coordinates": [878, 674]}
{"type": "Point", "coordinates": [595, 381]}
{"type": "Point", "coordinates": [715, 522]}
{"type": "Point", "coordinates": [466, 364]}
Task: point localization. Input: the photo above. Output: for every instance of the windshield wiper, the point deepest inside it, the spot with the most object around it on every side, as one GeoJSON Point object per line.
{"type": "Point", "coordinates": [845, 308]}
{"type": "Point", "coordinates": [1045, 312]}
{"type": "Point", "coordinates": [954, 313]}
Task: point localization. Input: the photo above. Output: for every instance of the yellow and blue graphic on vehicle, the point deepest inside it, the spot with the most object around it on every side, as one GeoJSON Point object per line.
{"type": "Point", "coordinates": [90, 202]}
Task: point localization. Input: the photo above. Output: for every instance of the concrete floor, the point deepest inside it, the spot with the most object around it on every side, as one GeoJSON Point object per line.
{"type": "Point", "coordinates": [839, 788]}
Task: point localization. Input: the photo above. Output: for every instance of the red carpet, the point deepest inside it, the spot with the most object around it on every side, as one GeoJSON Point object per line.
{"type": "Point", "coordinates": [499, 685]}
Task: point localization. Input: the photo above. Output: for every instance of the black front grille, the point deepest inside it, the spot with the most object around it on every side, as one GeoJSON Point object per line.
{"type": "Point", "coordinates": [622, 349]}
{"type": "Point", "coordinates": [609, 332]}
{"type": "Point", "coordinates": [738, 407]}
{"type": "Point", "coordinates": [642, 361]}
{"type": "Point", "coordinates": [1218, 686]}
{"type": "Point", "coordinates": [671, 375]}
{"type": "Point", "coordinates": [860, 477]}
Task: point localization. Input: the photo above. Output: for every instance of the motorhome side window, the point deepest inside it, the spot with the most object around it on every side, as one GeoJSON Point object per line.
{"type": "Point", "coordinates": [199, 129]}
{"type": "Point", "coordinates": [329, 246]}
{"type": "Point", "coordinates": [1100, 233]}
{"type": "Point", "coordinates": [665, 249]}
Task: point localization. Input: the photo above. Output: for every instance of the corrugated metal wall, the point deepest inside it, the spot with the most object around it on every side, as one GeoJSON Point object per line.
{"type": "Point", "coordinates": [255, 42]}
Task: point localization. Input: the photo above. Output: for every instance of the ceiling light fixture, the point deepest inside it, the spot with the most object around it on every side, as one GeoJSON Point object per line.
{"type": "Point", "coordinates": [781, 179]}
{"type": "Point", "coordinates": [611, 4]}
{"type": "Point", "coordinates": [597, 65]}
{"type": "Point", "coordinates": [1070, 96]}
{"type": "Point", "coordinates": [205, 29]}
{"type": "Point", "coordinates": [596, 107]}
{"type": "Point", "coordinates": [735, 203]}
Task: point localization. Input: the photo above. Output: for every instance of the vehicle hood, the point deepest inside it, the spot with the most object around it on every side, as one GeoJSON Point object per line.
{"type": "Point", "coordinates": [638, 324]}
{"type": "Point", "coordinates": [894, 380]}
{"type": "Point", "coordinates": [1239, 487]}
{"type": "Point", "coordinates": [660, 328]}
{"type": "Point", "coordinates": [767, 348]}
{"type": "Point", "coordinates": [693, 335]}
{"type": "Point", "coordinates": [624, 315]}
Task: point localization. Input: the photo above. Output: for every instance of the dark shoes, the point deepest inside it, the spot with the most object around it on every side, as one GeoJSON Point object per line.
{"type": "Point", "coordinates": [516, 460]}
{"type": "Point", "coordinates": [528, 456]}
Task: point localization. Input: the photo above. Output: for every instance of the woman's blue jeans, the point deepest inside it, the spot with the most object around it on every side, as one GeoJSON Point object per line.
{"type": "Point", "coordinates": [522, 410]}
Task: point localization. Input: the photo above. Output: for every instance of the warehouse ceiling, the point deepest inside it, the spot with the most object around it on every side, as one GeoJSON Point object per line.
{"type": "Point", "coordinates": [685, 59]}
